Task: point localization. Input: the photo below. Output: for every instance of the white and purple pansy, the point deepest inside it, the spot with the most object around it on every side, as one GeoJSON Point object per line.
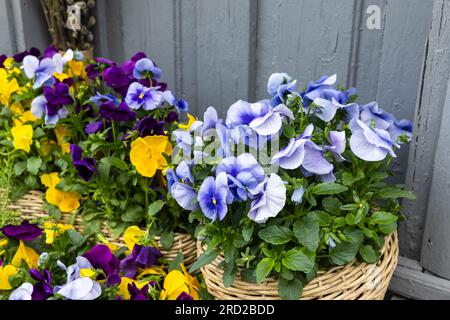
{"type": "Point", "coordinates": [42, 71]}
{"type": "Point", "coordinates": [329, 108]}
{"type": "Point", "coordinates": [145, 67]}
{"type": "Point", "coordinates": [280, 85]}
{"type": "Point", "coordinates": [139, 96]}
{"type": "Point", "coordinates": [213, 197]}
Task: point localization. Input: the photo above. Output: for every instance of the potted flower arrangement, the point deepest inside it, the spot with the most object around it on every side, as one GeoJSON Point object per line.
{"type": "Point", "coordinates": [96, 141]}
{"type": "Point", "coordinates": [291, 189]}
{"type": "Point", "coordinates": [57, 262]}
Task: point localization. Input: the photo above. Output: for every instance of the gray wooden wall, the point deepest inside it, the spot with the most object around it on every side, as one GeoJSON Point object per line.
{"type": "Point", "coordinates": [214, 52]}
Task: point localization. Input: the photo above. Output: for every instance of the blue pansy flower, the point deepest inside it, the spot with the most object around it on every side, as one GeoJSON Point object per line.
{"type": "Point", "coordinates": [337, 146]}
{"type": "Point", "coordinates": [212, 197]}
{"type": "Point", "coordinates": [314, 90]}
{"type": "Point", "coordinates": [100, 99]}
{"type": "Point", "coordinates": [42, 71]}
{"type": "Point", "coordinates": [145, 65]}
{"type": "Point", "coordinates": [181, 105]}
{"type": "Point", "coordinates": [297, 195]}
{"type": "Point", "coordinates": [185, 196]}
{"type": "Point", "coordinates": [329, 108]}
{"type": "Point", "coordinates": [140, 96]}
{"type": "Point", "coordinates": [278, 85]}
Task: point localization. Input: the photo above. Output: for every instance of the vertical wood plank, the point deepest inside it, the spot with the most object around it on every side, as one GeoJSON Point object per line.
{"type": "Point", "coordinates": [436, 242]}
{"type": "Point", "coordinates": [428, 117]}
{"type": "Point", "coordinates": [224, 47]}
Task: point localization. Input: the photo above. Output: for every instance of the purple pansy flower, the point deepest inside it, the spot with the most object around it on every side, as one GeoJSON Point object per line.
{"type": "Point", "coordinates": [25, 231]}
{"type": "Point", "coordinates": [213, 195]}
{"type": "Point", "coordinates": [99, 99]}
{"type": "Point", "coordinates": [3, 57]}
{"type": "Point", "coordinates": [140, 257]}
{"type": "Point", "coordinates": [93, 127]}
{"type": "Point", "coordinates": [86, 167]}
{"type": "Point", "coordinates": [144, 66]}
{"type": "Point", "coordinates": [116, 78]}
{"type": "Point", "coordinates": [136, 293]}
{"type": "Point", "coordinates": [140, 96]}
{"type": "Point", "coordinates": [42, 290]}
{"type": "Point", "coordinates": [101, 257]}
{"type": "Point", "coordinates": [42, 71]}
{"type": "Point", "coordinates": [57, 97]}
{"type": "Point", "coordinates": [278, 85]}
{"type": "Point", "coordinates": [113, 279]}
{"type": "Point", "coordinates": [185, 196]}
{"type": "Point", "coordinates": [329, 108]}
{"type": "Point", "coordinates": [50, 51]}
{"type": "Point", "coordinates": [243, 173]}
{"type": "Point", "coordinates": [268, 199]}
{"type": "Point", "coordinates": [39, 108]}
{"type": "Point", "coordinates": [149, 126]}
{"type": "Point", "coordinates": [121, 113]}
{"type": "Point", "coordinates": [264, 119]}
{"type": "Point", "coordinates": [370, 144]}
{"type": "Point", "coordinates": [184, 296]}
{"type": "Point", "coordinates": [19, 57]}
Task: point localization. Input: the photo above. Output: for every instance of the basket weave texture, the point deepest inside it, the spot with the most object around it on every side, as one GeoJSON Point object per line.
{"type": "Point", "coordinates": [31, 206]}
{"type": "Point", "coordinates": [354, 281]}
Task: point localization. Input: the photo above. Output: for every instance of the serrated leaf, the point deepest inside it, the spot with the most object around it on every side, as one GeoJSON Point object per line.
{"type": "Point", "coordinates": [20, 167]}
{"type": "Point", "coordinates": [276, 235]}
{"type": "Point", "coordinates": [263, 269]}
{"type": "Point", "coordinates": [332, 205]}
{"type": "Point", "coordinates": [175, 263]}
{"type": "Point", "coordinates": [299, 260]}
{"type": "Point", "coordinates": [369, 255]}
{"type": "Point", "coordinates": [290, 289]}
{"type": "Point", "coordinates": [307, 232]}
{"type": "Point", "coordinates": [228, 275]}
{"type": "Point", "coordinates": [348, 179]}
{"type": "Point", "coordinates": [247, 231]}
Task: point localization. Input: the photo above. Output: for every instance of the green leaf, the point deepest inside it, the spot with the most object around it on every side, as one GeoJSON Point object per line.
{"type": "Point", "coordinates": [204, 259]}
{"type": "Point", "coordinates": [290, 289]}
{"type": "Point", "coordinates": [348, 179]}
{"type": "Point", "coordinates": [395, 192]}
{"type": "Point", "coordinates": [369, 255]}
{"type": "Point", "coordinates": [328, 189]}
{"type": "Point", "coordinates": [33, 165]}
{"type": "Point", "coordinates": [118, 163]}
{"type": "Point", "coordinates": [361, 213]}
{"type": "Point", "coordinates": [286, 273]}
{"type": "Point", "coordinates": [276, 235]}
{"type": "Point", "coordinates": [307, 232]}
{"type": "Point", "coordinates": [228, 275]}
{"type": "Point", "coordinates": [75, 238]}
{"type": "Point", "coordinates": [383, 217]}
{"type": "Point", "coordinates": [263, 269]}
{"type": "Point", "coordinates": [104, 170]}
{"type": "Point", "coordinates": [322, 218]}
{"type": "Point", "coordinates": [388, 228]}
{"type": "Point", "coordinates": [20, 167]}
{"type": "Point", "coordinates": [299, 260]}
{"type": "Point", "coordinates": [346, 251]}
{"type": "Point", "coordinates": [248, 275]}
{"type": "Point", "coordinates": [155, 207]}
{"type": "Point", "coordinates": [247, 231]}
{"type": "Point", "coordinates": [175, 263]}
{"type": "Point", "coordinates": [332, 205]}
{"type": "Point", "coordinates": [166, 240]}
{"type": "Point", "coordinates": [288, 131]}
{"type": "Point", "coordinates": [135, 214]}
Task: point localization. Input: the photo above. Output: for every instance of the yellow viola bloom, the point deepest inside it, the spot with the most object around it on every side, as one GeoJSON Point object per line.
{"type": "Point", "coordinates": [65, 201]}
{"type": "Point", "coordinates": [174, 285]}
{"type": "Point", "coordinates": [8, 62]}
{"type": "Point", "coordinates": [3, 243]}
{"type": "Point", "coordinates": [187, 126]}
{"type": "Point", "coordinates": [151, 271]}
{"type": "Point", "coordinates": [6, 272]}
{"type": "Point", "coordinates": [113, 247]}
{"type": "Point", "coordinates": [22, 137]}
{"type": "Point", "coordinates": [16, 108]}
{"type": "Point", "coordinates": [76, 69]}
{"type": "Point", "coordinates": [25, 117]}
{"type": "Point", "coordinates": [7, 87]}
{"type": "Point", "coordinates": [147, 154]}
{"type": "Point", "coordinates": [193, 284]}
{"type": "Point", "coordinates": [87, 273]}
{"type": "Point", "coordinates": [26, 254]}
{"type": "Point", "coordinates": [61, 76]}
{"type": "Point", "coordinates": [61, 134]}
{"type": "Point", "coordinates": [123, 287]}
{"type": "Point", "coordinates": [54, 230]}
{"type": "Point", "coordinates": [132, 236]}
{"type": "Point", "coordinates": [46, 147]}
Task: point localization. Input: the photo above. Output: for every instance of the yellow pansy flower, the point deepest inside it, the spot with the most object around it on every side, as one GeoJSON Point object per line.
{"type": "Point", "coordinates": [178, 282]}
{"type": "Point", "coordinates": [16, 108]}
{"type": "Point", "coordinates": [6, 272]}
{"type": "Point", "coordinates": [65, 201]}
{"type": "Point", "coordinates": [61, 76]}
{"type": "Point", "coordinates": [87, 273]}
{"type": "Point", "coordinates": [62, 133]}
{"type": "Point", "coordinates": [8, 62]}
{"type": "Point", "coordinates": [26, 254]}
{"type": "Point", "coordinates": [46, 147]}
{"type": "Point", "coordinates": [151, 271]}
{"type": "Point", "coordinates": [147, 154]}
{"type": "Point", "coordinates": [25, 117]}
{"type": "Point", "coordinates": [132, 236]}
{"type": "Point", "coordinates": [7, 87]}
{"type": "Point", "coordinates": [54, 230]}
{"type": "Point", "coordinates": [123, 286]}
{"type": "Point", "coordinates": [76, 69]}
{"type": "Point", "coordinates": [187, 126]}
{"type": "Point", "coordinates": [22, 137]}
{"type": "Point", "coordinates": [3, 243]}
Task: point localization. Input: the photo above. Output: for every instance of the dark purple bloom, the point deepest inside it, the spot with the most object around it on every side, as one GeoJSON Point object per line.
{"type": "Point", "coordinates": [2, 60]}
{"type": "Point", "coordinates": [172, 117]}
{"type": "Point", "coordinates": [1, 262]}
{"type": "Point", "coordinates": [25, 231]}
{"type": "Point", "coordinates": [113, 279]}
{"type": "Point", "coordinates": [93, 71]}
{"type": "Point", "coordinates": [50, 51]}
{"type": "Point", "coordinates": [93, 127]}
{"type": "Point", "coordinates": [184, 296]}
{"type": "Point", "coordinates": [105, 61]}
{"type": "Point", "coordinates": [42, 290]}
{"type": "Point", "coordinates": [137, 294]}
{"type": "Point", "coordinates": [68, 81]}
{"type": "Point", "coordinates": [138, 56]}
{"type": "Point", "coordinates": [57, 97]}
{"type": "Point", "coordinates": [120, 113]}
{"type": "Point", "coordinates": [149, 126]}
{"type": "Point", "coordinates": [21, 55]}
{"type": "Point", "coordinates": [101, 257]}
{"type": "Point", "coordinates": [85, 167]}
{"type": "Point", "coordinates": [140, 257]}
{"type": "Point", "coordinates": [118, 78]}
{"type": "Point", "coordinates": [87, 109]}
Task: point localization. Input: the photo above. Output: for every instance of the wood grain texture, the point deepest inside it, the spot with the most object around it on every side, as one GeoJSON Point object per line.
{"type": "Point", "coordinates": [428, 118]}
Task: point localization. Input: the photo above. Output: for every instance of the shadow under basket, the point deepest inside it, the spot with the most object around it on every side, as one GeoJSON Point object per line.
{"type": "Point", "coordinates": [354, 281]}
{"type": "Point", "coordinates": [31, 206]}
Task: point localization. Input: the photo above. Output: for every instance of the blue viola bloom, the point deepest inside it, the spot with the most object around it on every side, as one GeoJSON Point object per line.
{"type": "Point", "coordinates": [212, 197]}
{"type": "Point", "coordinates": [297, 195]}
{"type": "Point", "coordinates": [337, 146]}
{"type": "Point", "coordinates": [370, 144]}
{"type": "Point", "coordinates": [181, 105]}
{"type": "Point", "coordinates": [143, 67]}
{"type": "Point", "coordinates": [140, 96]}
{"type": "Point", "coordinates": [23, 292]}
{"type": "Point", "coordinates": [372, 112]}
{"type": "Point", "coordinates": [42, 71]}
{"type": "Point", "coordinates": [401, 127]}
{"type": "Point", "coordinates": [329, 108]}
{"type": "Point", "coordinates": [278, 85]}
{"type": "Point", "coordinates": [268, 198]}
{"type": "Point", "coordinates": [314, 90]}
{"type": "Point", "coordinates": [185, 196]}
{"type": "Point", "coordinates": [40, 107]}
{"type": "Point", "coordinates": [264, 119]}
{"type": "Point", "coordinates": [100, 99]}
{"type": "Point", "coordinates": [183, 141]}
{"type": "Point", "coordinates": [243, 173]}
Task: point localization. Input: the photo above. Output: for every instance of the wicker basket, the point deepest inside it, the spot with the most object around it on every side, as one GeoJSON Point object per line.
{"type": "Point", "coordinates": [31, 206]}
{"type": "Point", "coordinates": [355, 281]}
